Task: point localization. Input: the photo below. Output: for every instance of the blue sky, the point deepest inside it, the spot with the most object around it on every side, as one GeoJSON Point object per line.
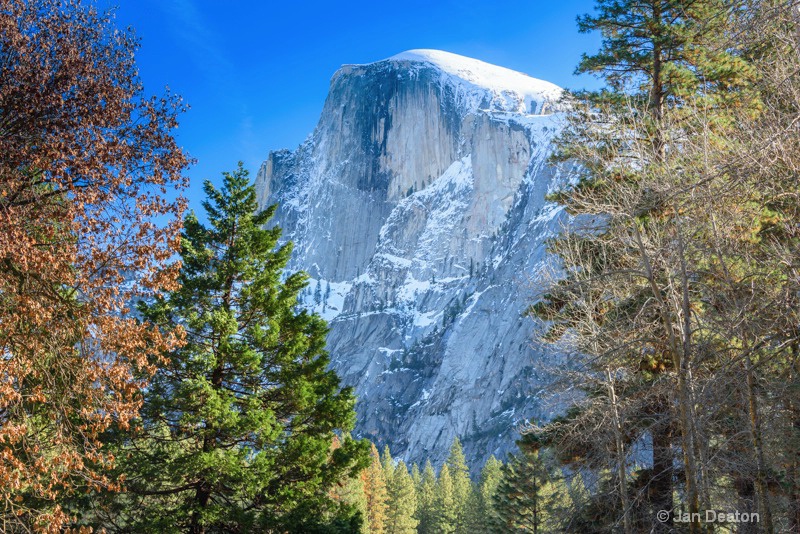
{"type": "Point", "coordinates": [256, 73]}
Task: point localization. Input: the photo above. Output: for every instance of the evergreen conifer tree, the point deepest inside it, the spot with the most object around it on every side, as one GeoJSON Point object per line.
{"type": "Point", "coordinates": [317, 293]}
{"type": "Point", "coordinates": [350, 494]}
{"type": "Point", "coordinates": [444, 505]}
{"type": "Point", "coordinates": [375, 490]}
{"type": "Point", "coordinates": [387, 463]}
{"type": "Point", "coordinates": [416, 477]}
{"type": "Point", "coordinates": [518, 502]}
{"type": "Point", "coordinates": [402, 502]}
{"type": "Point", "coordinates": [462, 485]}
{"type": "Point", "coordinates": [426, 501]}
{"type": "Point", "coordinates": [237, 425]}
{"type": "Point", "coordinates": [472, 517]}
{"type": "Point", "coordinates": [483, 515]}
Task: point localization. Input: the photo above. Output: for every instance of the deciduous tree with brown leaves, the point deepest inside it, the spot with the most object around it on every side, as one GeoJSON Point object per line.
{"type": "Point", "coordinates": [89, 217]}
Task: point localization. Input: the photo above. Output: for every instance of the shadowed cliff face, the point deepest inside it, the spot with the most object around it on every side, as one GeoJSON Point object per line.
{"type": "Point", "coordinates": [417, 207]}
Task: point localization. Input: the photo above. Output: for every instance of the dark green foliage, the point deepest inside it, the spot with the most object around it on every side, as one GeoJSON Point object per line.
{"type": "Point", "coordinates": [426, 500]}
{"type": "Point", "coordinates": [454, 309]}
{"type": "Point", "coordinates": [402, 494]}
{"type": "Point", "coordinates": [444, 507]}
{"type": "Point", "coordinates": [482, 512]}
{"type": "Point", "coordinates": [462, 486]}
{"type": "Point", "coordinates": [659, 53]}
{"type": "Point", "coordinates": [238, 425]}
{"type": "Point", "coordinates": [351, 495]}
{"type": "Point", "coordinates": [519, 504]}
{"type": "Point", "coordinates": [317, 293]}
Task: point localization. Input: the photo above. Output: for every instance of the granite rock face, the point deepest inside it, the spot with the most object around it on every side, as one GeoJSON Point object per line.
{"type": "Point", "coordinates": [417, 207]}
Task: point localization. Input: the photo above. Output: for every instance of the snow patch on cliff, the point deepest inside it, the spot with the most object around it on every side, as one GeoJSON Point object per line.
{"type": "Point", "coordinates": [427, 282]}
{"type": "Point", "coordinates": [328, 300]}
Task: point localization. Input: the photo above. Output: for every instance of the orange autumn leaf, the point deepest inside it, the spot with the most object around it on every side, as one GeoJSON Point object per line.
{"type": "Point", "coordinates": [89, 222]}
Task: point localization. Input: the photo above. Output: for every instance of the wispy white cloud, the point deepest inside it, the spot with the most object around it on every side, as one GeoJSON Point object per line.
{"type": "Point", "coordinates": [194, 30]}
{"type": "Point", "coordinates": [199, 40]}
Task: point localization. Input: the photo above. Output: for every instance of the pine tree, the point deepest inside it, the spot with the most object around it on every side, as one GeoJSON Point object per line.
{"type": "Point", "coordinates": [444, 504]}
{"type": "Point", "coordinates": [633, 288]}
{"type": "Point", "coordinates": [518, 502]}
{"type": "Point", "coordinates": [557, 500]}
{"type": "Point", "coordinates": [387, 463]}
{"type": "Point", "coordinates": [402, 502]}
{"type": "Point", "coordinates": [426, 501]}
{"type": "Point", "coordinates": [462, 485]}
{"type": "Point", "coordinates": [472, 514]}
{"type": "Point", "coordinates": [238, 425]}
{"type": "Point", "coordinates": [416, 477]}
{"type": "Point", "coordinates": [483, 515]}
{"type": "Point", "coordinates": [377, 496]}
{"type": "Point", "coordinates": [351, 495]}
{"type": "Point", "coordinates": [317, 294]}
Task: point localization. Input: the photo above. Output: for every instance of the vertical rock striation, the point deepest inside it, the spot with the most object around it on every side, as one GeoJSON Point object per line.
{"type": "Point", "coordinates": [417, 207]}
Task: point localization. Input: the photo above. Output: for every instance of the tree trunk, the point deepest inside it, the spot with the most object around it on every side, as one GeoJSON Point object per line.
{"type": "Point", "coordinates": [794, 441]}
{"type": "Point", "coordinates": [657, 88]}
{"type": "Point", "coordinates": [203, 493]}
{"type": "Point", "coordinates": [684, 399]}
{"type": "Point", "coordinates": [745, 490]}
{"type": "Point", "coordinates": [201, 497]}
{"type": "Point", "coordinates": [660, 487]}
{"type": "Point", "coordinates": [621, 455]}
{"type": "Point", "coordinates": [762, 491]}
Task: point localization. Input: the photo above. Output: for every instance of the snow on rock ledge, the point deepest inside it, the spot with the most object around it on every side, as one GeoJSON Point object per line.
{"type": "Point", "coordinates": [417, 207]}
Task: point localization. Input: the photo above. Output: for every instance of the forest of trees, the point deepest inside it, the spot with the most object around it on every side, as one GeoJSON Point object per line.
{"type": "Point", "coordinates": [159, 375]}
{"type": "Point", "coordinates": [678, 280]}
{"type": "Point", "coordinates": [527, 494]}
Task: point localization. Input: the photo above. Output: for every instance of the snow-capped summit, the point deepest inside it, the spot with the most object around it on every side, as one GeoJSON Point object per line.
{"type": "Point", "coordinates": [417, 207]}
{"type": "Point", "coordinates": [476, 85]}
{"type": "Point", "coordinates": [499, 80]}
